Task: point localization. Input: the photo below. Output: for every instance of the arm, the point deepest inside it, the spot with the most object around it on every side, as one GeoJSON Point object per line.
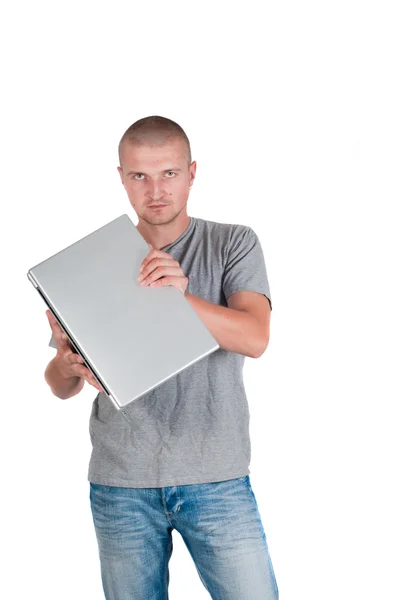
{"type": "Point", "coordinates": [243, 327]}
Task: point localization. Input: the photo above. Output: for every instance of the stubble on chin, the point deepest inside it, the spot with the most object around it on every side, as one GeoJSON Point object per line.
{"type": "Point", "coordinates": [157, 221]}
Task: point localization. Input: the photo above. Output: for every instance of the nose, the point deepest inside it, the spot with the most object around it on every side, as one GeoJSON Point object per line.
{"type": "Point", "coordinates": [155, 190]}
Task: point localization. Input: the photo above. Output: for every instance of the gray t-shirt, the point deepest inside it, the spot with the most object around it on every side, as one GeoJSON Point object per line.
{"type": "Point", "coordinates": [194, 427]}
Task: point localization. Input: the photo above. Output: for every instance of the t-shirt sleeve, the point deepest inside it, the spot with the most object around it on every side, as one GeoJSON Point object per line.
{"type": "Point", "coordinates": [52, 342]}
{"type": "Point", "coordinates": [245, 267]}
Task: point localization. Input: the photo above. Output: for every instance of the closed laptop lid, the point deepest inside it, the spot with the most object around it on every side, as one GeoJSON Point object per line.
{"type": "Point", "coordinates": [133, 338]}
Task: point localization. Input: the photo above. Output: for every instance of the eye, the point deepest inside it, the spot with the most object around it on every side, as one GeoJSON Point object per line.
{"type": "Point", "coordinates": [170, 172]}
{"type": "Point", "coordinates": [138, 174]}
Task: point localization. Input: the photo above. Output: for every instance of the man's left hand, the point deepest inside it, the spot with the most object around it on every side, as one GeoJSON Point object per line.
{"type": "Point", "coordinates": [159, 268]}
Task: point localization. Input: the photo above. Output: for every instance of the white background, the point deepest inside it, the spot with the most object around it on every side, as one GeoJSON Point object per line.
{"type": "Point", "coordinates": [291, 111]}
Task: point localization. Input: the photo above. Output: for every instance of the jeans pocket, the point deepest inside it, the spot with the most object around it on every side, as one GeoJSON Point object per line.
{"type": "Point", "coordinates": [245, 479]}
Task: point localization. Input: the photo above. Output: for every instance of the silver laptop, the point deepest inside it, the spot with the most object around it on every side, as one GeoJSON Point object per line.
{"type": "Point", "coordinates": [132, 338]}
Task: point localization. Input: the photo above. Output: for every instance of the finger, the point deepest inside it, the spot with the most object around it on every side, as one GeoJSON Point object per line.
{"type": "Point", "coordinates": [78, 370]}
{"type": "Point", "coordinates": [171, 267]}
{"type": "Point", "coordinates": [158, 262]}
{"type": "Point", "coordinates": [63, 342]}
{"type": "Point", "coordinates": [161, 273]}
{"type": "Point", "coordinates": [53, 321]}
{"type": "Point", "coordinates": [59, 336]}
{"type": "Point", "coordinates": [154, 254]}
{"type": "Point", "coordinates": [92, 381]}
{"type": "Point", "coordinates": [178, 282]}
{"type": "Point", "coordinates": [98, 387]}
{"type": "Point", "coordinates": [76, 365]}
{"type": "Point", "coordinates": [88, 376]}
{"type": "Point", "coordinates": [148, 258]}
{"type": "Point", "coordinates": [75, 358]}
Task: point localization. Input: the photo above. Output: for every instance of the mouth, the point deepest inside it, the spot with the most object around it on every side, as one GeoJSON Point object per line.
{"type": "Point", "coordinates": [157, 206]}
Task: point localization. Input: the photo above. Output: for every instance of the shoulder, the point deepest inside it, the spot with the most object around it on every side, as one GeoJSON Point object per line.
{"type": "Point", "coordinates": [228, 234]}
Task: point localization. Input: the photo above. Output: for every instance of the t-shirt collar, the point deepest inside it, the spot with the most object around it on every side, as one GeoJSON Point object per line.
{"type": "Point", "coordinates": [182, 236]}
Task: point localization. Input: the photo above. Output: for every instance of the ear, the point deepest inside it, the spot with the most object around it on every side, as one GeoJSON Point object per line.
{"type": "Point", "coordinates": [121, 174]}
{"type": "Point", "coordinates": [192, 173]}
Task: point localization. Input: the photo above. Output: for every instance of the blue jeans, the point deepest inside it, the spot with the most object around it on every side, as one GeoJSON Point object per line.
{"type": "Point", "coordinates": [219, 523]}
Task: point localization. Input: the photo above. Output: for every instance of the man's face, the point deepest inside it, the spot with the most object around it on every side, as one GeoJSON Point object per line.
{"type": "Point", "coordinates": [157, 175]}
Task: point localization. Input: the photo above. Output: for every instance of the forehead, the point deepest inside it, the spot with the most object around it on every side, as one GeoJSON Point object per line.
{"type": "Point", "coordinates": [150, 157]}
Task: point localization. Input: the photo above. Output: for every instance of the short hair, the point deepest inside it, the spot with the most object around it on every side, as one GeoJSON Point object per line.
{"type": "Point", "coordinates": [154, 130]}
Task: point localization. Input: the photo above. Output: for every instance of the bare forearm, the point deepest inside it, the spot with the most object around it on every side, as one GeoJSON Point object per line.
{"type": "Point", "coordinates": [60, 386]}
{"type": "Point", "coordinates": [234, 330]}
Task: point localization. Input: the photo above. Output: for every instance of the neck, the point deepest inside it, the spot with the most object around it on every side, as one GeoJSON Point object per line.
{"type": "Point", "coordinates": [160, 236]}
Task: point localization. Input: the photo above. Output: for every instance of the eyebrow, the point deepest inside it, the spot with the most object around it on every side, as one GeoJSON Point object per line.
{"type": "Point", "coordinates": [142, 172]}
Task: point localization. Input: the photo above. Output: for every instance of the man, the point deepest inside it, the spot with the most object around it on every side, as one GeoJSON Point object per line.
{"type": "Point", "coordinates": [178, 457]}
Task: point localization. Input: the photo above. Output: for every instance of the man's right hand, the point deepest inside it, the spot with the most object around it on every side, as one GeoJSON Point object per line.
{"type": "Point", "coordinates": [70, 363]}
